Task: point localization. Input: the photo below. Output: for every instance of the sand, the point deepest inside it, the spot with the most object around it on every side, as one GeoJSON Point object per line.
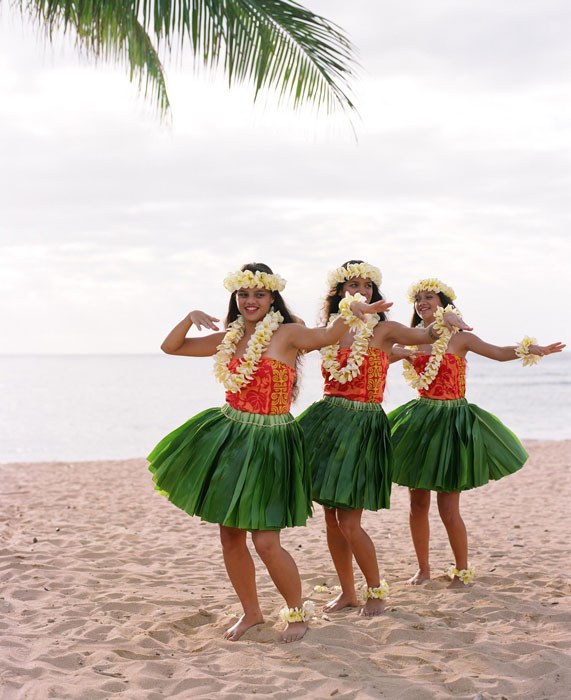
{"type": "Point", "coordinates": [110, 591]}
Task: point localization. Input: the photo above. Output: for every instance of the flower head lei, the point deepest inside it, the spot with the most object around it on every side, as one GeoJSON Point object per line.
{"type": "Point", "coordinates": [248, 280]}
{"type": "Point", "coordinates": [342, 274]}
{"type": "Point", "coordinates": [257, 344]}
{"type": "Point", "coordinates": [359, 347]}
{"type": "Point", "coordinates": [432, 284]}
{"type": "Point", "coordinates": [425, 379]}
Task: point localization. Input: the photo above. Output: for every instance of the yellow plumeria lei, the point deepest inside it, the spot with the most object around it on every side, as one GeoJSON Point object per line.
{"type": "Point", "coordinates": [379, 592]}
{"type": "Point", "coordinates": [342, 274]}
{"type": "Point", "coordinates": [465, 575]}
{"type": "Point", "coordinates": [431, 284]}
{"type": "Point", "coordinates": [424, 380]}
{"type": "Point", "coordinates": [248, 280]}
{"type": "Point", "coordinates": [522, 351]}
{"type": "Point", "coordinates": [258, 342]}
{"type": "Point", "coordinates": [359, 347]}
{"type": "Point", "coordinates": [303, 614]}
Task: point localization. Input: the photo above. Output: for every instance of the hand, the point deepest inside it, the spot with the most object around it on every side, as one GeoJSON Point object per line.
{"type": "Point", "coordinates": [201, 319]}
{"type": "Point", "coordinates": [454, 322]}
{"type": "Point", "coordinates": [546, 349]}
{"type": "Point", "coordinates": [360, 308]}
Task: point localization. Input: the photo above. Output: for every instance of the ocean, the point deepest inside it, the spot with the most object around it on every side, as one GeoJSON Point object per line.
{"type": "Point", "coordinates": [86, 407]}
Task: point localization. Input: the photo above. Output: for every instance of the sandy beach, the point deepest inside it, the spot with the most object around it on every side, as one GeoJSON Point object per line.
{"type": "Point", "coordinates": [110, 591]}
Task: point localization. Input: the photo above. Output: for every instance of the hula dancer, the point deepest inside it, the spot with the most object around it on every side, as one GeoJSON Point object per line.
{"type": "Point", "coordinates": [347, 433]}
{"type": "Point", "coordinates": [243, 465]}
{"type": "Point", "coordinates": [441, 442]}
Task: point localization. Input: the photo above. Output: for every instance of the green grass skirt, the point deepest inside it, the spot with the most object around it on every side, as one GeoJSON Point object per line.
{"type": "Point", "coordinates": [243, 470]}
{"type": "Point", "coordinates": [349, 453]}
{"type": "Point", "coordinates": [451, 446]}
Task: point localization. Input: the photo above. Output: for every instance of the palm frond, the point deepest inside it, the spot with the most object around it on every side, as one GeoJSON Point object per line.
{"type": "Point", "coordinates": [274, 44]}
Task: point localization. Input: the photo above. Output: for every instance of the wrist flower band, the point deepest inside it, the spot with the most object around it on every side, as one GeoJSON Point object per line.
{"type": "Point", "coordinates": [522, 351]}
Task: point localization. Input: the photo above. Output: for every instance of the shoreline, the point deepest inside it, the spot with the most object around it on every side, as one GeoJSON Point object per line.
{"type": "Point", "coordinates": [109, 590]}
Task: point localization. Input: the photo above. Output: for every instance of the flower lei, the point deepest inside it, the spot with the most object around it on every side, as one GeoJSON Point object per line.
{"type": "Point", "coordinates": [248, 280]}
{"type": "Point", "coordinates": [303, 614]}
{"type": "Point", "coordinates": [379, 592]}
{"type": "Point", "coordinates": [424, 380]}
{"type": "Point", "coordinates": [465, 575]}
{"type": "Point", "coordinates": [258, 342]}
{"type": "Point", "coordinates": [359, 347]}
{"type": "Point", "coordinates": [432, 284]}
{"type": "Point", "coordinates": [522, 351]}
{"type": "Point", "coordinates": [342, 274]}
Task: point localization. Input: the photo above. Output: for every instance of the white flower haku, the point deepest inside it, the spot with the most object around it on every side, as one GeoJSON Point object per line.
{"type": "Point", "coordinates": [246, 279]}
{"type": "Point", "coordinates": [257, 344]}
{"type": "Point", "coordinates": [431, 284]}
{"type": "Point", "coordinates": [364, 270]}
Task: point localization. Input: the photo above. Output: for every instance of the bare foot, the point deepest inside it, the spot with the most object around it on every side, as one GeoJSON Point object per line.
{"type": "Point", "coordinates": [341, 601]}
{"type": "Point", "coordinates": [373, 606]}
{"type": "Point", "coordinates": [457, 583]}
{"type": "Point", "coordinates": [294, 631]}
{"type": "Point", "coordinates": [234, 633]}
{"type": "Point", "coordinates": [421, 576]}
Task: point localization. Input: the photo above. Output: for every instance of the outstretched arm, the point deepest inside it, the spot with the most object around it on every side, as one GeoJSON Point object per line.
{"type": "Point", "coordinates": [307, 339]}
{"type": "Point", "coordinates": [403, 335]}
{"type": "Point", "coordinates": [503, 353]}
{"type": "Point", "coordinates": [176, 342]}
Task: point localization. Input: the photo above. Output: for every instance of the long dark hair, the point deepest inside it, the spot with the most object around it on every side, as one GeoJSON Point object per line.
{"type": "Point", "coordinates": [333, 298]}
{"type": "Point", "coordinates": [444, 300]}
{"type": "Point", "coordinates": [278, 304]}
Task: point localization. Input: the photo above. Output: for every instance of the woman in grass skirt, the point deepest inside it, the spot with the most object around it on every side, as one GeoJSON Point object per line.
{"type": "Point", "coordinates": [441, 442]}
{"type": "Point", "coordinates": [243, 465]}
{"type": "Point", "coordinates": [348, 435]}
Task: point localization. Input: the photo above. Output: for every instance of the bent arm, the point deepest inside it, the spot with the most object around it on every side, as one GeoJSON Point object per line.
{"type": "Point", "coordinates": [176, 342]}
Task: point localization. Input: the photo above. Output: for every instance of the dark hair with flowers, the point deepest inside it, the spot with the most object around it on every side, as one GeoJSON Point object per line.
{"type": "Point", "coordinates": [333, 298]}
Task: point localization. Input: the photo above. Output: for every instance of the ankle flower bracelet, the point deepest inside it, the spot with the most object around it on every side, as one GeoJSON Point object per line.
{"type": "Point", "coordinates": [379, 592]}
{"type": "Point", "coordinates": [303, 614]}
{"type": "Point", "coordinates": [465, 575]}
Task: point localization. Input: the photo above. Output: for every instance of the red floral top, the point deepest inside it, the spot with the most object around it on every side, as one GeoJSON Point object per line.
{"type": "Point", "coordinates": [269, 392]}
{"type": "Point", "coordinates": [449, 383]}
{"type": "Point", "coordinates": [369, 386]}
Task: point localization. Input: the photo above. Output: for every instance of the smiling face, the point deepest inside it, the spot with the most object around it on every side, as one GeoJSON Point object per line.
{"type": "Point", "coordinates": [425, 304]}
{"type": "Point", "coordinates": [358, 284]}
{"type": "Point", "coordinates": [253, 303]}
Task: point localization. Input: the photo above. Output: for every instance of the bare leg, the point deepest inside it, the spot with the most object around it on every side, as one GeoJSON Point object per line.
{"type": "Point", "coordinates": [449, 509]}
{"type": "Point", "coordinates": [240, 568]}
{"type": "Point", "coordinates": [364, 551]}
{"type": "Point", "coordinates": [342, 556]}
{"type": "Point", "coordinates": [420, 532]}
{"type": "Point", "coordinates": [283, 570]}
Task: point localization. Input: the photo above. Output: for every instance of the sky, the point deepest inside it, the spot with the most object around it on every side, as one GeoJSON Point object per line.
{"type": "Point", "coordinates": [115, 224]}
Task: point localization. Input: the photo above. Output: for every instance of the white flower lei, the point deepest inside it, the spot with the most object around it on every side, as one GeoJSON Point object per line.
{"type": "Point", "coordinates": [424, 380]}
{"type": "Point", "coordinates": [248, 280]}
{"type": "Point", "coordinates": [342, 274]}
{"type": "Point", "coordinates": [379, 592]}
{"type": "Point", "coordinates": [432, 284]}
{"type": "Point", "coordinates": [522, 351]}
{"type": "Point", "coordinates": [258, 342]}
{"type": "Point", "coordinates": [359, 346]}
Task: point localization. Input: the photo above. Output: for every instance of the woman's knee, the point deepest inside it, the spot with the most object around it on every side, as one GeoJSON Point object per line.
{"type": "Point", "coordinates": [350, 524]}
{"type": "Point", "coordinates": [419, 502]}
{"type": "Point", "coordinates": [232, 538]}
{"type": "Point", "coordinates": [266, 542]}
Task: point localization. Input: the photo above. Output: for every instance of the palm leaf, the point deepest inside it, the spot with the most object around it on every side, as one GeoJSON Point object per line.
{"type": "Point", "coordinates": [274, 44]}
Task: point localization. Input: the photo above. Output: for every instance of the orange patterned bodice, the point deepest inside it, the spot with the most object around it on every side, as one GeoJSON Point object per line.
{"type": "Point", "coordinates": [449, 383]}
{"type": "Point", "coordinates": [269, 392]}
{"type": "Point", "coordinates": [369, 386]}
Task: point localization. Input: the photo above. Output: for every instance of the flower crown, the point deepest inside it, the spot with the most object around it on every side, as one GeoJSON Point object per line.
{"type": "Point", "coordinates": [248, 279]}
{"type": "Point", "coordinates": [342, 274]}
{"type": "Point", "coordinates": [432, 284]}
